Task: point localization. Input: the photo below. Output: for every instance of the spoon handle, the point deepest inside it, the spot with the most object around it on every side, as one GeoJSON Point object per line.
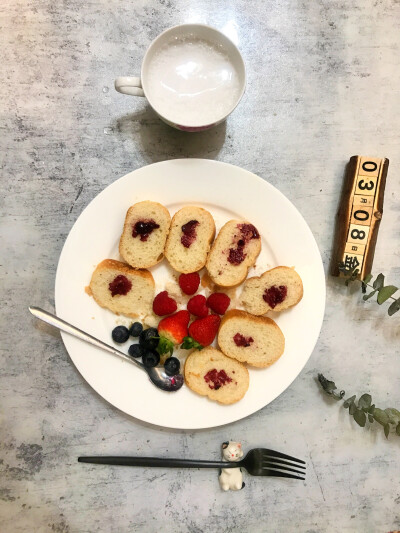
{"type": "Point", "coordinates": [76, 332]}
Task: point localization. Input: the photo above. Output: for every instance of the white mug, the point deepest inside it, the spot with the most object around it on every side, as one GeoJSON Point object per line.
{"type": "Point", "coordinates": [190, 93]}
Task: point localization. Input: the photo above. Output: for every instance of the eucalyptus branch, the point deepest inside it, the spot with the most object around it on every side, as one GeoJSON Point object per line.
{"type": "Point", "coordinates": [384, 293]}
{"type": "Point", "coordinates": [388, 418]}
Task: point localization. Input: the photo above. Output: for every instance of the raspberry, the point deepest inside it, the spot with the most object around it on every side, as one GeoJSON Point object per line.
{"type": "Point", "coordinates": [189, 283]}
{"type": "Point", "coordinates": [197, 306]}
{"type": "Point", "coordinates": [218, 302]}
{"type": "Point", "coordinates": [163, 304]}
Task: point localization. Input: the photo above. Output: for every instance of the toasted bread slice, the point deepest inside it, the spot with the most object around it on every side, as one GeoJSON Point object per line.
{"type": "Point", "coordinates": [210, 373]}
{"type": "Point", "coordinates": [113, 277]}
{"type": "Point", "coordinates": [255, 340]}
{"type": "Point", "coordinates": [234, 251]}
{"type": "Point", "coordinates": [275, 290]}
{"type": "Point", "coordinates": [188, 243]}
{"type": "Point", "coordinates": [145, 231]}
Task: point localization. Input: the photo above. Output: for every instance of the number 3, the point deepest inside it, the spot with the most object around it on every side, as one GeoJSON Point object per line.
{"type": "Point", "coordinates": [365, 186]}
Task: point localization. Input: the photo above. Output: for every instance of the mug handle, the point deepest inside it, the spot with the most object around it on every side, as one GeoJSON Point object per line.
{"type": "Point", "coordinates": [130, 85]}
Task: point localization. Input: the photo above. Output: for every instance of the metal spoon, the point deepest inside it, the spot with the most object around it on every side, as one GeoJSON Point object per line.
{"type": "Point", "coordinates": [157, 375]}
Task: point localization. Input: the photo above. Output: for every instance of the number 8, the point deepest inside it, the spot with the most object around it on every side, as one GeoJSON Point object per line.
{"type": "Point", "coordinates": [357, 234]}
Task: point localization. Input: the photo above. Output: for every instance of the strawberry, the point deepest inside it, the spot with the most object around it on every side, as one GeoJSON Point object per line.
{"type": "Point", "coordinates": [218, 302]}
{"type": "Point", "coordinates": [172, 330]}
{"type": "Point", "coordinates": [197, 306]}
{"type": "Point", "coordinates": [189, 283]}
{"type": "Point", "coordinates": [202, 332]}
{"type": "Point", "coordinates": [163, 304]}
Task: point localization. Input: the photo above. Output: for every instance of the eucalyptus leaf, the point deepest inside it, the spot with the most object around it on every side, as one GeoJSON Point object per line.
{"type": "Point", "coordinates": [398, 429]}
{"type": "Point", "coordinates": [393, 414]}
{"type": "Point", "coordinates": [378, 283]}
{"type": "Point", "coordinates": [386, 429]}
{"type": "Point", "coordinates": [365, 401]}
{"type": "Point", "coordinates": [367, 279]}
{"type": "Point", "coordinates": [380, 416]}
{"type": "Point", "coordinates": [349, 402]}
{"type": "Point", "coordinates": [360, 417]}
{"type": "Point", "coordinates": [368, 296]}
{"type": "Point", "coordinates": [394, 307]}
{"type": "Point", "coordinates": [385, 293]}
{"type": "Point", "coordinates": [371, 409]}
{"type": "Point", "coordinates": [352, 408]}
{"type": "Point", "coordinates": [370, 418]}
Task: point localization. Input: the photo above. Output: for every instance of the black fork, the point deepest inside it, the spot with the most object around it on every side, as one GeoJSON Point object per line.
{"type": "Point", "coordinates": [258, 462]}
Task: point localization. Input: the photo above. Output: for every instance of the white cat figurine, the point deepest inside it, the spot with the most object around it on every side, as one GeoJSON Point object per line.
{"type": "Point", "coordinates": [231, 478]}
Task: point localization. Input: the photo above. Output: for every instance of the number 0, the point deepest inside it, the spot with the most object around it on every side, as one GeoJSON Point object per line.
{"type": "Point", "coordinates": [372, 166]}
{"type": "Point", "coordinates": [361, 215]}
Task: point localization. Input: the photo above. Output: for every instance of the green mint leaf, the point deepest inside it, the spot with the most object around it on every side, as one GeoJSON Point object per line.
{"type": "Point", "coordinates": [398, 429]}
{"type": "Point", "coordinates": [349, 402]}
{"type": "Point", "coordinates": [380, 416]}
{"type": "Point", "coordinates": [385, 293]}
{"type": "Point", "coordinates": [370, 418]}
{"type": "Point", "coordinates": [393, 414]}
{"type": "Point", "coordinates": [368, 296]}
{"type": "Point", "coordinates": [386, 429]}
{"type": "Point", "coordinates": [378, 283]}
{"type": "Point", "coordinates": [394, 307]}
{"type": "Point", "coordinates": [360, 417]}
{"type": "Point", "coordinates": [365, 401]}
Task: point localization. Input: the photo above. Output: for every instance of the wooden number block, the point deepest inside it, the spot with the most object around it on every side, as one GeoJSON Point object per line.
{"type": "Point", "coordinates": [352, 261]}
{"type": "Point", "coordinates": [361, 215]}
{"type": "Point", "coordinates": [369, 166]}
{"type": "Point", "coordinates": [361, 199]}
{"type": "Point", "coordinates": [366, 185]}
{"type": "Point", "coordinates": [358, 234]}
{"type": "Point", "coordinates": [352, 248]}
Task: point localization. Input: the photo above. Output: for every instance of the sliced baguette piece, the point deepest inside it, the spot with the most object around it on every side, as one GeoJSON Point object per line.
{"type": "Point", "coordinates": [237, 240]}
{"type": "Point", "coordinates": [183, 255]}
{"type": "Point", "coordinates": [255, 289]}
{"type": "Point", "coordinates": [139, 298]}
{"type": "Point", "coordinates": [141, 251]}
{"type": "Point", "coordinates": [209, 362]}
{"type": "Point", "coordinates": [261, 342]}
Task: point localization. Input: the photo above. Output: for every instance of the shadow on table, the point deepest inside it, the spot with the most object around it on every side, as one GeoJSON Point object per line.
{"type": "Point", "coordinates": [159, 141]}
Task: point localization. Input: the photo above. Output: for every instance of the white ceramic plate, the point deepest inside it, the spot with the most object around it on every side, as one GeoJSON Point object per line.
{"type": "Point", "coordinates": [227, 192]}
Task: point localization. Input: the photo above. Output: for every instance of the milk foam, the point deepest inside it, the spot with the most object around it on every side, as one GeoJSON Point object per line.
{"type": "Point", "coordinates": [192, 81]}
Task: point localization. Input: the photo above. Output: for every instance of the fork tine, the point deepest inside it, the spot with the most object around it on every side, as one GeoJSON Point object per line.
{"type": "Point", "coordinates": [281, 462]}
{"type": "Point", "coordinates": [275, 473]}
{"type": "Point", "coordinates": [273, 453]}
{"type": "Point", "coordinates": [267, 464]}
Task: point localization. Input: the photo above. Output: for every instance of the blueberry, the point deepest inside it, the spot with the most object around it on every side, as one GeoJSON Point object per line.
{"type": "Point", "coordinates": [149, 338]}
{"type": "Point", "coordinates": [135, 350]}
{"type": "Point", "coordinates": [151, 358]}
{"type": "Point", "coordinates": [120, 334]}
{"type": "Point", "coordinates": [171, 366]}
{"type": "Point", "coordinates": [136, 329]}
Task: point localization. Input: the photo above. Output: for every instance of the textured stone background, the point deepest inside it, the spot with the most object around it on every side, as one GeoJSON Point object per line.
{"type": "Point", "coordinates": [323, 84]}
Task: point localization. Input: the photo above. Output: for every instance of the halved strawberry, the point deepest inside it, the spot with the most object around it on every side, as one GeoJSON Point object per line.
{"type": "Point", "coordinates": [172, 331]}
{"type": "Point", "coordinates": [202, 332]}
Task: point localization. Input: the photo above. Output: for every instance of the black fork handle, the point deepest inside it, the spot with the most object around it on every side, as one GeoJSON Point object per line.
{"type": "Point", "coordinates": [155, 461]}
